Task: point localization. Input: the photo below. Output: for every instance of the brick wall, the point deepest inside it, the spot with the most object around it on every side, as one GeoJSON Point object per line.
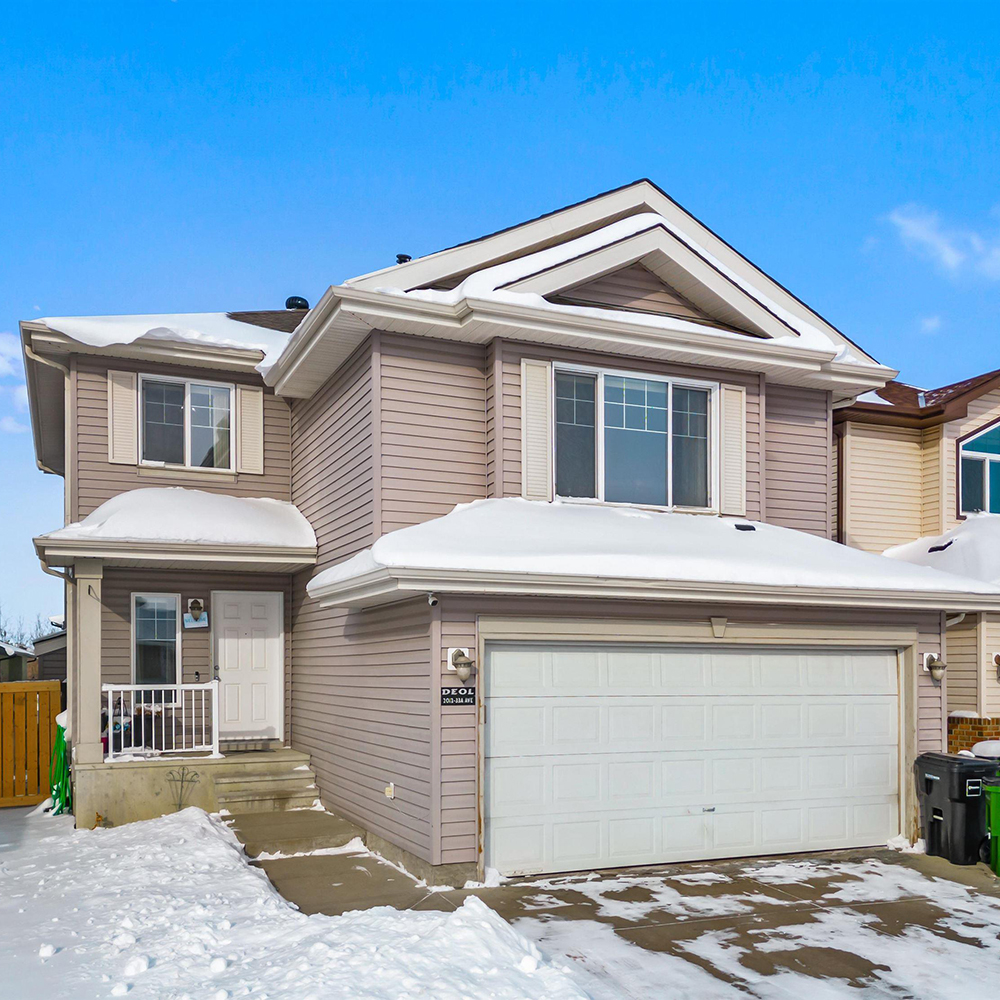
{"type": "Point", "coordinates": [963, 734]}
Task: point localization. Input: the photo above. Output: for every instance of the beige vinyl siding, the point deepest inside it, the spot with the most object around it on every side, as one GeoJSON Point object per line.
{"type": "Point", "coordinates": [982, 411]}
{"type": "Point", "coordinates": [433, 428]}
{"type": "Point", "coordinates": [990, 646]}
{"type": "Point", "coordinates": [932, 505]}
{"type": "Point", "coordinates": [510, 453]}
{"type": "Point", "coordinates": [361, 680]}
{"type": "Point", "coordinates": [197, 655]}
{"type": "Point", "coordinates": [96, 479]}
{"type": "Point", "coordinates": [963, 655]}
{"type": "Point", "coordinates": [636, 288]}
{"type": "Point", "coordinates": [52, 666]}
{"type": "Point", "coordinates": [884, 498]}
{"type": "Point", "coordinates": [459, 627]}
{"type": "Point", "coordinates": [797, 458]}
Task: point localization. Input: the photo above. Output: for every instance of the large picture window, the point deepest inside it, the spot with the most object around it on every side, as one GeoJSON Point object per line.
{"type": "Point", "coordinates": [630, 439]}
{"type": "Point", "coordinates": [156, 638]}
{"type": "Point", "coordinates": [979, 472]}
{"type": "Point", "coordinates": [186, 423]}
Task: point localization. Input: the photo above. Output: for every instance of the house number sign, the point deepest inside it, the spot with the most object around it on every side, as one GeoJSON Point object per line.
{"type": "Point", "coordinates": [458, 696]}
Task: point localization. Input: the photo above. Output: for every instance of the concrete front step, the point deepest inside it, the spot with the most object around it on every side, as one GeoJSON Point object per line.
{"type": "Point", "coordinates": [294, 832]}
{"type": "Point", "coordinates": [268, 781]}
{"type": "Point", "coordinates": [249, 781]}
{"type": "Point", "coordinates": [267, 801]}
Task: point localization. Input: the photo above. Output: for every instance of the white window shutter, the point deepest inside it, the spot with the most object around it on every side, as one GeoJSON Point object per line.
{"type": "Point", "coordinates": [250, 429]}
{"type": "Point", "coordinates": [733, 464]}
{"type": "Point", "coordinates": [536, 430]}
{"type": "Point", "coordinates": [123, 418]}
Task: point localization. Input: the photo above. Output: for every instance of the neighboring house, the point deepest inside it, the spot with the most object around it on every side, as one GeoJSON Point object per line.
{"type": "Point", "coordinates": [673, 661]}
{"type": "Point", "coordinates": [15, 662]}
{"type": "Point", "coordinates": [914, 464]}
{"type": "Point", "coordinates": [50, 652]}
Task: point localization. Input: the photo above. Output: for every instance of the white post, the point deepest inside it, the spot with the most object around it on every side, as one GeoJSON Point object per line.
{"type": "Point", "coordinates": [215, 715]}
{"type": "Point", "coordinates": [87, 586]}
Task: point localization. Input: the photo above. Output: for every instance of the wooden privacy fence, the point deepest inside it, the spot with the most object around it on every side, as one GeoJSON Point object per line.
{"type": "Point", "coordinates": [28, 711]}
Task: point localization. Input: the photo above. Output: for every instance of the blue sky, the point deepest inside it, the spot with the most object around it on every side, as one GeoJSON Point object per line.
{"type": "Point", "coordinates": [185, 156]}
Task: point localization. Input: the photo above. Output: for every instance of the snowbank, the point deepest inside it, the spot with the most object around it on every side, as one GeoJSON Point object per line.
{"type": "Point", "coordinates": [590, 540]}
{"type": "Point", "coordinates": [214, 329]}
{"type": "Point", "coordinates": [176, 514]}
{"type": "Point", "coordinates": [170, 907]}
{"type": "Point", "coordinates": [971, 549]}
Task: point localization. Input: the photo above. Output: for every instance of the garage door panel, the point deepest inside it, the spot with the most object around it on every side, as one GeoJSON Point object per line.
{"type": "Point", "coordinates": [640, 755]}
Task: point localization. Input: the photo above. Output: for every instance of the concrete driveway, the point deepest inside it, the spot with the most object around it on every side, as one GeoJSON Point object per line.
{"type": "Point", "coordinates": [871, 923]}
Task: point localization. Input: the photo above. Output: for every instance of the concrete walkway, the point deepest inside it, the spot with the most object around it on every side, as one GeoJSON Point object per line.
{"type": "Point", "coordinates": [735, 928]}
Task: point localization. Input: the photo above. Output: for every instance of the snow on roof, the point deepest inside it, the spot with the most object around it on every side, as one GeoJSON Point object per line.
{"type": "Point", "coordinates": [13, 649]}
{"type": "Point", "coordinates": [489, 284]}
{"type": "Point", "coordinates": [972, 549]}
{"type": "Point", "coordinates": [569, 539]}
{"type": "Point", "coordinates": [872, 397]}
{"type": "Point", "coordinates": [176, 514]}
{"type": "Point", "coordinates": [213, 329]}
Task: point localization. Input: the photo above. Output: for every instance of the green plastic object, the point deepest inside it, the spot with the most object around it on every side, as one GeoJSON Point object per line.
{"type": "Point", "coordinates": [61, 788]}
{"type": "Point", "coordinates": [991, 789]}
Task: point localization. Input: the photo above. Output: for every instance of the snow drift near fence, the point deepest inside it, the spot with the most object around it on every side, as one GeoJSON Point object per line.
{"type": "Point", "coordinates": [971, 549]}
{"type": "Point", "coordinates": [170, 908]}
{"type": "Point", "coordinates": [589, 540]}
{"type": "Point", "coordinates": [176, 514]}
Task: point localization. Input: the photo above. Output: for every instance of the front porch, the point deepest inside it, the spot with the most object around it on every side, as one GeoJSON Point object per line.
{"type": "Point", "coordinates": [114, 792]}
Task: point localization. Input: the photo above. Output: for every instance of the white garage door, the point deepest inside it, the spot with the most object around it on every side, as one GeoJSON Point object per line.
{"type": "Point", "coordinates": [601, 756]}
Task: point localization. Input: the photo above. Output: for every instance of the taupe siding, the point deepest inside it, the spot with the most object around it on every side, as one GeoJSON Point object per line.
{"type": "Point", "coordinates": [433, 428]}
{"type": "Point", "coordinates": [52, 666]}
{"type": "Point", "coordinates": [96, 479]}
{"type": "Point", "coordinates": [963, 665]}
{"type": "Point", "coordinates": [796, 460]}
{"type": "Point", "coordinates": [836, 451]}
{"type": "Point", "coordinates": [117, 588]}
{"type": "Point", "coordinates": [633, 287]}
{"type": "Point", "coordinates": [361, 681]}
{"type": "Point", "coordinates": [459, 726]}
{"type": "Point", "coordinates": [510, 454]}
{"type": "Point", "coordinates": [990, 685]}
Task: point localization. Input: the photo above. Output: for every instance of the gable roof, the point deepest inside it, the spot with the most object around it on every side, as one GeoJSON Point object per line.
{"type": "Point", "coordinates": [513, 284]}
{"type": "Point", "coordinates": [907, 405]}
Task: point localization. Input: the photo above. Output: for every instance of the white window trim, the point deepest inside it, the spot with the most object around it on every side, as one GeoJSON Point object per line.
{"type": "Point", "coordinates": [187, 383]}
{"type": "Point", "coordinates": [178, 660]}
{"type": "Point", "coordinates": [714, 456]}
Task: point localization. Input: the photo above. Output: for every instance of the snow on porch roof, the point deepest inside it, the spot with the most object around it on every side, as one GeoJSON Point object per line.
{"type": "Point", "coordinates": [971, 549]}
{"type": "Point", "coordinates": [204, 525]}
{"type": "Point", "coordinates": [521, 546]}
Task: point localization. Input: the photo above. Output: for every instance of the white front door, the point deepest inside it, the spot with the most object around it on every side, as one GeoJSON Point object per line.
{"type": "Point", "coordinates": [606, 756]}
{"type": "Point", "coordinates": [249, 655]}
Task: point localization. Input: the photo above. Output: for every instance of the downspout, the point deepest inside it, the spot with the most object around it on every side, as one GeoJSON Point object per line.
{"type": "Point", "coordinates": [948, 622]}
{"type": "Point", "coordinates": [65, 370]}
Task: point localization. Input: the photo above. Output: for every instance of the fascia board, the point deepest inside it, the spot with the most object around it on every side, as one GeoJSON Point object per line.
{"type": "Point", "coordinates": [62, 552]}
{"type": "Point", "coordinates": [387, 585]}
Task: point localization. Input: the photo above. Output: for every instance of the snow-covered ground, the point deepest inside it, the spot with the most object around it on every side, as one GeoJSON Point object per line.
{"type": "Point", "coordinates": [170, 908]}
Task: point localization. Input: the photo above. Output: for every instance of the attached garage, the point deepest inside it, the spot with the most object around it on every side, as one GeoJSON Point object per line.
{"type": "Point", "coordinates": [603, 755]}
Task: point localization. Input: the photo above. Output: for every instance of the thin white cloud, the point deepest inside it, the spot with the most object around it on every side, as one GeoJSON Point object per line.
{"type": "Point", "coordinates": [10, 354]}
{"type": "Point", "coordinates": [8, 425]}
{"type": "Point", "coordinates": [930, 324]}
{"type": "Point", "coordinates": [18, 395]}
{"type": "Point", "coordinates": [955, 249]}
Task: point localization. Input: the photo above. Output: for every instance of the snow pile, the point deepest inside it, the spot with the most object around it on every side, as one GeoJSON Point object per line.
{"type": "Point", "coordinates": [490, 283]}
{"type": "Point", "coordinates": [176, 514]}
{"type": "Point", "coordinates": [170, 908]}
{"type": "Point", "coordinates": [971, 549]}
{"type": "Point", "coordinates": [212, 329]}
{"type": "Point", "coordinates": [590, 540]}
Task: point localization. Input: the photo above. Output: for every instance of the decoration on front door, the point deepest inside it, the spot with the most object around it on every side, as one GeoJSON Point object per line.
{"type": "Point", "coordinates": [197, 616]}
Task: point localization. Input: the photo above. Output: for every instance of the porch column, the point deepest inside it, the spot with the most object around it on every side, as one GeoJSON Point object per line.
{"type": "Point", "coordinates": [87, 747]}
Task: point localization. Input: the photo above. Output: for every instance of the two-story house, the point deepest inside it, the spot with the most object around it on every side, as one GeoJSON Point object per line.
{"type": "Point", "coordinates": [914, 466]}
{"type": "Point", "coordinates": [528, 544]}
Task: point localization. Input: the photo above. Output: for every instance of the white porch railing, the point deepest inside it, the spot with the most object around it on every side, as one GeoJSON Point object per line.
{"type": "Point", "coordinates": [145, 721]}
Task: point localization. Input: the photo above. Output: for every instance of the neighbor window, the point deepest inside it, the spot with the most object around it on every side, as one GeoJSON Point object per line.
{"type": "Point", "coordinates": [186, 423]}
{"type": "Point", "coordinates": [629, 439]}
{"type": "Point", "coordinates": [980, 472]}
{"type": "Point", "coordinates": [155, 625]}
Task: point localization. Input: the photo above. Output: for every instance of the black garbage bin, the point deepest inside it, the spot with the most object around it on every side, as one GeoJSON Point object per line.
{"type": "Point", "coordinates": [952, 804]}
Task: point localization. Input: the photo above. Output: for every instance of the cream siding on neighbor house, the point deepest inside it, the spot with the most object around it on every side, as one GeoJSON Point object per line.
{"type": "Point", "coordinates": [963, 656]}
{"type": "Point", "coordinates": [836, 453]}
{"type": "Point", "coordinates": [797, 437]}
{"type": "Point", "coordinates": [989, 685]}
{"type": "Point", "coordinates": [884, 497]}
{"type": "Point", "coordinates": [932, 501]}
{"type": "Point", "coordinates": [982, 411]}
{"type": "Point", "coordinates": [95, 479]}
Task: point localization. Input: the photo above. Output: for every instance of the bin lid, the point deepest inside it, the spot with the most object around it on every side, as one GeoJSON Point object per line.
{"type": "Point", "coordinates": [987, 748]}
{"type": "Point", "coordinates": [936, 762]}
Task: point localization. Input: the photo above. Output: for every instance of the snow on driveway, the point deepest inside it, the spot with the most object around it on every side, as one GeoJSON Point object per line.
{"type": "Point", "coordinates": [170, 908]}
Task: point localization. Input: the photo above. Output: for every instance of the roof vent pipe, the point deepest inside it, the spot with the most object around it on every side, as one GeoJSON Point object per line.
{"type": "Point", "coordinates": [296, 302]}
{"type": "Point", "coordinates": [403, 258]}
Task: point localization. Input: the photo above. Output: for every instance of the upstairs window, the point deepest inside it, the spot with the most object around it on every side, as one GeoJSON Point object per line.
{"type": "Point", "coordinates": [979, 472]}
{"type": "Point", "coordinates": [633, 439]}
{"type": "Point", "coordinates": [186, 423]}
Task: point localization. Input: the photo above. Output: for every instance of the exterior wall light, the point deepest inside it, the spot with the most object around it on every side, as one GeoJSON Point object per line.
{"type": "Point", "coordinates": [461, 664]}
{"type": "Point", "coordinates": [935, 666]}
